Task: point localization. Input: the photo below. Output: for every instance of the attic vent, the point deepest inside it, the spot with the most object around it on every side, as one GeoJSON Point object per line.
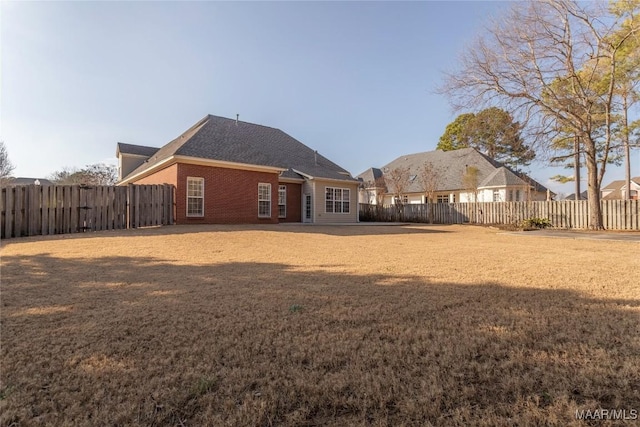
{"type": "Point", "coordinates": [412, 178]}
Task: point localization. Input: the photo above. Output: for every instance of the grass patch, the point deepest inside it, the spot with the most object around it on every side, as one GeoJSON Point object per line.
{"type": "Point", "coordinates": [416, 325]}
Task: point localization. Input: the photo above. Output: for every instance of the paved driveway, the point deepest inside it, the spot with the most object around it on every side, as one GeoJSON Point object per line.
{"type": "Point", "coordinates": [584, 235]}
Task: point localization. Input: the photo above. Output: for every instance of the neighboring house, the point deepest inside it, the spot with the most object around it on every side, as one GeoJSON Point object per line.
{"type": "Point", "coordinates": [230, 171]}
{"type": "Point", "coordinates": [495, 182]}
{"type": "Point", "coordinates": [28, 181]}
{"type": "Point", "coordinates": [572, 196]}
{"type": "Point", "coordinates": [617, 190]}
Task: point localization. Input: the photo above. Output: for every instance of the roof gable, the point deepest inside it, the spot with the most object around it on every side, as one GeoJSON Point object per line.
{"type": "Point", "coordinates": [136, 150]}
{"type": "Point", "coordinates": [502, 177]}
{"type": "Point", "coordinates": [370, 176]}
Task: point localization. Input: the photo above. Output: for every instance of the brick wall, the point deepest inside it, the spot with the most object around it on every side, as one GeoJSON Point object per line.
{"type": "Point", "coordinates": [230, 195]}
{"type": "Point", "coordinates": [165, 176]}
{"type": "Point", "coordinates": [294, 203]}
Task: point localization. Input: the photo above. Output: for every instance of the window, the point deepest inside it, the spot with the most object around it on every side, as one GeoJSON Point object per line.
{"type": "Point", "coordinates": [443, 198]}
{"type": "Point", "coordinates": [307, 206]}
{"type": "Point", "coordinates": [195, 196]}
{"type": "Point", "coordinates": [496, 195]}
{"type": "Point", "coordinates": [337, 200]}
{"type": "Point", "coordinates": [517, 195]}
{"type": "Point", "coordinates": [264, 200]}
{"type": "Point", "coordinates": [282, 201]}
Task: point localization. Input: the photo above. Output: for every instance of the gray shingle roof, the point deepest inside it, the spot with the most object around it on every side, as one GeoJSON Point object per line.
{"type": "Point", "coordinates": [452, 166]}
{"type": "Point", "coordinates": [615, 185]}
{"type": "Point", "coordinates": [219, 138]}
{"type": "Point", "coordinates": [572, 196]}
{"type": "Point", "coordinates": [502, 177]}
{"type": "Point", "coordinates": [370, 176]}
{"type": "Point", "coordinates": [138, 150]}
{"type": "Point", "coordinates": [29, 181]}
{"type": "Point", "coordinates": [619, 184]}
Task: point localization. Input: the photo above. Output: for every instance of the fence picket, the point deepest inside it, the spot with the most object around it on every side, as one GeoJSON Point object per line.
{"type": "Point", "coordinates": [41, 210]}
{"type": "Point", "coordinates": [617, 214]}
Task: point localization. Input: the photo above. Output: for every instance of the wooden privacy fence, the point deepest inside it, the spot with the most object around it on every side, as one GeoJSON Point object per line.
{"type": "Point", "coordinates": [30, 210]}
{"type": "Point", "coordinates": [573, 214]}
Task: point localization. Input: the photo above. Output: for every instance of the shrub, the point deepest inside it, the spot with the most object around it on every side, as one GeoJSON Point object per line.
{"type": "Point", "coordinates": [295, 308]}
{"type": "Point", "coordinates": [536, 223]}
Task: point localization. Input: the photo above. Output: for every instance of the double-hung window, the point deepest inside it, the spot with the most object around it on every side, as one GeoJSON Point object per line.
{"type": "Point", "coordinates": [264, 200]}
{"type": "Point", "coordinates": [282, 201]}
{"type": "Point", "coordinates": [337, 200]}
{"type": "Point", "coordinates": [195, 196]}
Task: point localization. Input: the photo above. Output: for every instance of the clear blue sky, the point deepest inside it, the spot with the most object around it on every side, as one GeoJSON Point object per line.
{"type": "Point", "coordinates": [353, 80]}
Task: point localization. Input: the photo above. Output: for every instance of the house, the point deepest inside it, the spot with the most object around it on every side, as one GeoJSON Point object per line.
{"type": "Point", "coordinates": [231, 171]}
{"type": "Point", "coordinates": [27, 181]}
{"type": "Point", "coordinates": [617, 190]}
{"type": "Point", "coordinates": [464, 175]}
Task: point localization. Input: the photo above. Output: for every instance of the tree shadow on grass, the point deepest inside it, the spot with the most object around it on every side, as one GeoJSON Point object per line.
{"type": "Point", "coordinates": [124, 340]}
{"type": "Point", "coordinates": [360, 229]}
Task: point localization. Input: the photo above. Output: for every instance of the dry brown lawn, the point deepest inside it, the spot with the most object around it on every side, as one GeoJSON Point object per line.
{"type": "Point", "coordinates": [317, 325]}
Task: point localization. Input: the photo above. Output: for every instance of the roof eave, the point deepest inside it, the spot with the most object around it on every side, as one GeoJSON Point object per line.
{"type": "Point", "coordinates": [201, 162]}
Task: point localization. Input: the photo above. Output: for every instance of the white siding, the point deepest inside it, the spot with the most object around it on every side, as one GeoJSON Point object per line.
{"type": "Point", "coordinates": [320, 216]}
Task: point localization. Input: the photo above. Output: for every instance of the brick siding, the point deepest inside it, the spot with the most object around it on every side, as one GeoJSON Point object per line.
{"type": "Point", "coordinates": [294, 203]}
{"type": "Point", "coordinates": [231, 195]}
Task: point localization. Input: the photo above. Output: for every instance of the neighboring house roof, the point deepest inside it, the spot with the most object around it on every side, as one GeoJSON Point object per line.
{"type": "Point", "coordinates": [501, 177]}
{"type": "Point", "coordinates": [615, 188]}
{"type": "Point", "coordinates": [29, 181]}
{"type": "Point", "coordinates": [619, 184]}
{"type": "Point", "coordinates": [228, 140]}
{"type": "Point", "coordinates": [370, 176]}
{"type": "Point", "coordinates": [614, 185]}
{"type": "Point", "coordinates": [452, 166]}
{"type": "Point", "coordinates": [572, 196]}
{"type": "Point", "coordinates": [137, 150]}
{"type": "Point", "coordinates": [613, 195]}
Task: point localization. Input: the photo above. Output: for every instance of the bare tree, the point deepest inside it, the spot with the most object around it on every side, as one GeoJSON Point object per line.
{"type": "Point", "coordinates": [471, 181]}
{"type": "Point", "coordinates": [380, 190]}
{"type": "Point", "coordinates": [96, 174]}
{"type": "Point", "coordinates": [552, 64]}
{"type": "Point", "coordinates": [6, 166]}
{"type": "Point", "coordinates": [399, 180]}
{"type": "Point", "coordinates": [367, 188]}
{"type": "Point", "coordinates": [430, 178]}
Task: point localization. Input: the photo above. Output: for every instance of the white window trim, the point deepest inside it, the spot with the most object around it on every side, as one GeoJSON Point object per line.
{"type": "Point", "coordinates": [269, 200]}
{"type": "Point", "coordinates": [282, 188]}
{"type": "Point", "coordinates": [333, 199]}
{"type": "Point", "coordinates": [194, 178]}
